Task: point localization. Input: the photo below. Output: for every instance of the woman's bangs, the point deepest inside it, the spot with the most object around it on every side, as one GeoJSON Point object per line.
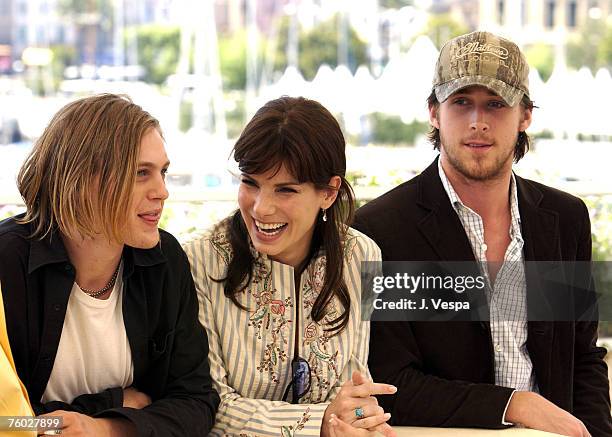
{"type": "Point", "coordinates": [271, 156]}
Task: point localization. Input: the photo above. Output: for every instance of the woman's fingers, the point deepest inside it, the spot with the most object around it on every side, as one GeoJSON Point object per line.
{"type": "Point", "coordinates": [361, 412]}
{"type": "Point", "coordinates": [385, 429]}
{"type": "Point", "coordinates": [371, 389]}
{"type": "Point", "coordinates": [371, 421]}
{"type": "Point", "coordinates": [350, 409]}
{"type": "Point", "coordinates": [356, 405]}
{"type": "Point", "coordinates": [358, 378]}
{"type": "Point", "coordinates": [339, 428]}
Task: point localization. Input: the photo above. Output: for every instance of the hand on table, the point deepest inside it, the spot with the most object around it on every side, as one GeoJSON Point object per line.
{"type": "Point", "coordinates": [341, 418]}
{"type": "Point", "coordinates": [535, 412]}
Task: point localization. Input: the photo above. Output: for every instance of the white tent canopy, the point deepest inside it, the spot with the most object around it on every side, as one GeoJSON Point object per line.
{"type": "Point", "coordinates": [570, 103]}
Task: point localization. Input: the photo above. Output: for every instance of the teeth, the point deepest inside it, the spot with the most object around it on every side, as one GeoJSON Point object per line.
{"type": "Point", "coordinates": [273, 233]}
{"type": "Point", "coordinates": [269, 226]}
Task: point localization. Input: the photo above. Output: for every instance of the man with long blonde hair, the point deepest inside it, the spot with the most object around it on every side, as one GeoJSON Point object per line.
{"type": "Point", "coordinates": [100, 303]}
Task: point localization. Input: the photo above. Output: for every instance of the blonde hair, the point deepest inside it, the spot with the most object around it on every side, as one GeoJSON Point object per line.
{"type": "Point", "coordinates": [79, 176]}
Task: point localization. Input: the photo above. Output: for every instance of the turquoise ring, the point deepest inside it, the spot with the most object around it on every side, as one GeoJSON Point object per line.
{"type": "Point", "coordinates": [359, 413]}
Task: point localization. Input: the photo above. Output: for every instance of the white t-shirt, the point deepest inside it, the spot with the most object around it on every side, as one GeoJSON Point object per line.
{"type": "Point", "coordinates": [94, 353]}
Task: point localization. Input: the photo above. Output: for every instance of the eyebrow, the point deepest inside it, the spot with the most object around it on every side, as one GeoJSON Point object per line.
{"type": "Point", "coordinates": [152, 164]}
{"type": "Point", "coordinates": [280, 184]}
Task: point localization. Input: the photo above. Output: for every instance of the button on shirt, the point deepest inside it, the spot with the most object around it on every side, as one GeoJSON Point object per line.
{"type": "Point", "coordinates": [508, 296]}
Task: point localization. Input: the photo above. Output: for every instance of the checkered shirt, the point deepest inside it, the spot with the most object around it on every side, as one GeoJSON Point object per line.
{"type": "Point", "coordinates": [508, 297]}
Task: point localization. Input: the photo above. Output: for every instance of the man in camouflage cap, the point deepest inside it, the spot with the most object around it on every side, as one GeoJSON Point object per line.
{"type": "Point", "coordinates": [481, 58]}
{"type": "Point", "coordinates": [468, 205]}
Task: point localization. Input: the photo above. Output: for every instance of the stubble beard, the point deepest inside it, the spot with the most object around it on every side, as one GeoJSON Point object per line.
{"type": "Point", "coordinates": [477, 169]}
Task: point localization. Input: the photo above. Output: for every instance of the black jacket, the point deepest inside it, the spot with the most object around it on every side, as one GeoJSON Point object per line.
{"type": "Point", "coordinates": [160, 311]}
{"type": "Point", "coordinates": [445, 371]}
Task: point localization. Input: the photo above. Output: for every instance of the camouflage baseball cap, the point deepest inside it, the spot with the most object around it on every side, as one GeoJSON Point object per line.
{"type": "Point", "coordinates": [481, 58]}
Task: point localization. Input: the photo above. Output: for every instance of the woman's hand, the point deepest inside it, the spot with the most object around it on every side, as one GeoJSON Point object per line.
{"type": "Point", "coordinates": [356, 406]}
{"type": "Point", "coordinates": [339, 428]}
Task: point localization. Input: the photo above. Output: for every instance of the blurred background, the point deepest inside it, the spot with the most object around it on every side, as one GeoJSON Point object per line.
{"type": "Point", "coordinates": [203, 67]}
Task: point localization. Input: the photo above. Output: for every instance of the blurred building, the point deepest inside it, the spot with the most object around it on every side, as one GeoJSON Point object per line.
{"type": "Point", "coordinates": [44, 23]}
{"type": "Point", "coordinates": [462, 11]}
{"type": "Point", "coordinates": [6, 12]}
{"type": "Point", "coordinates": [546, 21]}
{"type": "Point", "coordinates": [32, 23]}
{"type": "Point", "coordinates": [526, 21]}
{"type": "Point", "coordinates": [230, 15]}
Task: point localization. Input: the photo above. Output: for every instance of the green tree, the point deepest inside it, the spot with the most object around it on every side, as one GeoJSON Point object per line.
{"type": "Point", "coordinates": [442, 27]}
{"type": "Point", "coordinates": [391, 130]}
{"type": "Point", "coordinates": [232, 60]}
{"type": "Point", "coordinates": [604, 54]}
{"type": "Point", "coordinates": [158, 50]}
{"type": "Point", "coordinates": [591, 47]}
{"type": "Point", "coordinates": [89, 17]}
{"type": "Point", "coordinates": [63, 56]}
{"type": "Point", "coordinates": [542, 58]}
{"type": "Point", "coordinates": [319, 46]}
{"type": "Point", "coordinates": [394, 4]}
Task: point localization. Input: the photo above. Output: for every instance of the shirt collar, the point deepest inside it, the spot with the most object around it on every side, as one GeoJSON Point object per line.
{"type": "Point", "coordinates": [450, 191]}
{"type": "Point", "coordinates": [262, 260]}
{"type": "Point", "coordinates": [515, 225]}
{"type": "Point", "coordinates": [51, 250]}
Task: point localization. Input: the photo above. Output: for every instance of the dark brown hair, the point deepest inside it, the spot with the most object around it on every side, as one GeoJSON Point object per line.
{"type": "Point", "coordinates": [522, 143]}
{"type": "Point", "coordinates": [91, 142]}
{"type": "Point", "coordinates": [305, 137]}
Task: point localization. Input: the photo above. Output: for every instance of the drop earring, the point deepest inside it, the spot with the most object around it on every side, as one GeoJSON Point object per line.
{"type": "Point", "coordinates": [324, 214]}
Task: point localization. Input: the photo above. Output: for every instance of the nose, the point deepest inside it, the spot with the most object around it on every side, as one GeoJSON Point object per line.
{"type": "Point", "coordinates": [159, 190]}
{"type": "Point", "coordinates": [478, 122]}
{"type": "Point", "coordinates": [263, 205]}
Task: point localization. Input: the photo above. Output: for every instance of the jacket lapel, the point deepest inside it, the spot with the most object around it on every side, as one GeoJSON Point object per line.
{"type": "Point", "coordinates": [540, 229]}
{"type": "Point", "coordinates": [442, 229]}
{"type": "Point", "coordinates": [440, 225]}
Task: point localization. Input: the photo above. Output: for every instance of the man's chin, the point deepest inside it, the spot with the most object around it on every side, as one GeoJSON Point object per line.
{"type": "Point", "coordinates": [144, 242]}
{"type": "Point", "coordinates": [479, 171]}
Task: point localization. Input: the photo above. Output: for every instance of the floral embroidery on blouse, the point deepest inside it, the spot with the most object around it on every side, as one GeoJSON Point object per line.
{"type": "Point", "coordinates": [270, 315]}
{"type": "Point", "coordinates": [250, 350]}
{"type": "Point", "coordinates": [315, 339]}
{"type": "Point", "coordinates": [289, 431]}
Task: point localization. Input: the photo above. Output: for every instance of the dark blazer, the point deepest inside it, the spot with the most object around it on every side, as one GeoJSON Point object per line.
{"type": "Point", "coordinates": [160, 311]}
{"type": "Point", "coordinates": [445, 371]}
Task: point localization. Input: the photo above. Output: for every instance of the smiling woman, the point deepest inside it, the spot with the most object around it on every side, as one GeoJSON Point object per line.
{"type": "Point", "coordinates": [280, 289]}
{"type": "Point", "coordinates": [280, 213]}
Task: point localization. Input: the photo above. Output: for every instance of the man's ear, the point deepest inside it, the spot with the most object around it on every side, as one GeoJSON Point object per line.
{"type": "Point", "coordinates": [433, 116]}
{"type": "Point", "coordinates": [525, 119]}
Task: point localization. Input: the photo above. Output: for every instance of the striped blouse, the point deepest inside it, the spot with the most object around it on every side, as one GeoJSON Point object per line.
{"type": "Point", "coordinates": [251, 351]}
